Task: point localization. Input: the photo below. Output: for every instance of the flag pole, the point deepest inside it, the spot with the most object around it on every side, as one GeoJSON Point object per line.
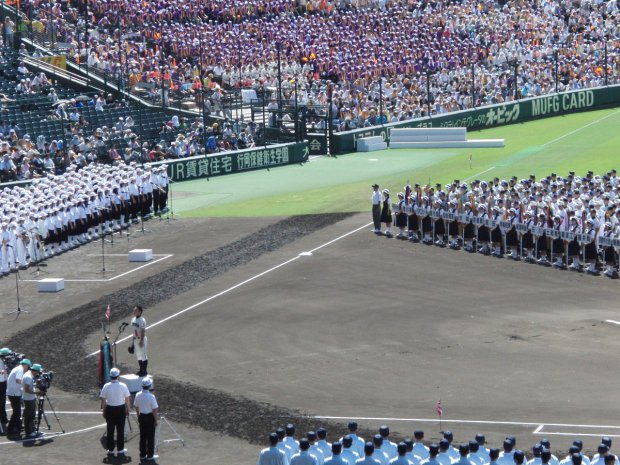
{"type": "Point", "coordinates": [439, 411]}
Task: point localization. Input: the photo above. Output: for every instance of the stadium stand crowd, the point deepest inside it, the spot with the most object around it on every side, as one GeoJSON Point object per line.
{"type": "Point", "coordinates": [46, 127]}
{"type": "Point", "coordinates": [314, 449]}
{"type": "Point", "coordinates": [407, 56]}
{"type": "Point", "coordinates": [550, 221]}
{"type": "Point", "coordinates": [60, 212]}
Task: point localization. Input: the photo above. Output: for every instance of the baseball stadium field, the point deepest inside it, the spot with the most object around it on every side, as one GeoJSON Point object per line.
{"type": "Point", "coordinates": [270, 301]}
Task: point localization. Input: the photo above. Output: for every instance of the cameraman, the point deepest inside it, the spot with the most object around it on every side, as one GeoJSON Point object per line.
{"type": "Point", "coordinates": [3, 377]}
{"type": "Point", "coordinates": [14, 393]}
{"type": "Point", "coordinates": [29, 397]}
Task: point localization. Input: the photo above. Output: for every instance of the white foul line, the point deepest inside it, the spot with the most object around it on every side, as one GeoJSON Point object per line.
{"type": "Point", "coordinates": [121, 255]}
{"type": "Point", "coordinates": [613, 322]}
{"type": "Point", "coordinates": [53, 435]}
{"type": "Point", "coordinates": [109, 279]}
{"type": "Point", "coordinates": [226, 291]}
{"type": "Point", "coordinates": [478, 174]}
{"type": "Point", "coordinates": [579, 129]}
{"type": "Point", "coordinates": [475, 422]}
{"type": "Point", "coordinates": [547, 433]}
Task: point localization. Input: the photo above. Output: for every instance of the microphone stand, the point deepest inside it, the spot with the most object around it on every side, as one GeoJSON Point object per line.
{"type": "Point", "coordinates": [103, 241]}
{"type": "Point", "coordinates": [19, 310]}
{"type": "Point", "coordinates": [127, 232]}
{"type": "Point", "coordinates": [170, 212]}
{"type": "Point", "coordinates": [38, 259]}
{"type": "Point", "coordinates": [142, 230]}
{"type": "Point", "coordinates": [103, 227]}
{"type": "Point", "coordinates": [121, 328]}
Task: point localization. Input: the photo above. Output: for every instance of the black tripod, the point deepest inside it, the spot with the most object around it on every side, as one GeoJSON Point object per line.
{"type": "Point", "coordinates": [19, 310]}
{"type": "Point", "coordinates": [41, 396]}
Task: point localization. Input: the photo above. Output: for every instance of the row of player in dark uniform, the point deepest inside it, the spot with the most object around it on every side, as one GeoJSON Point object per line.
{"type": "Point", "coordinates": [537, 238]}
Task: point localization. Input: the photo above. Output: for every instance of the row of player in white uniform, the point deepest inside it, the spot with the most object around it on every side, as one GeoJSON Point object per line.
{"type": "Point", "coordinates": [58, 213]}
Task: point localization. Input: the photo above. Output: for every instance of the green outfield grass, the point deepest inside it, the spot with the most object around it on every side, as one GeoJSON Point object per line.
{"type": "Point", "coordinates": [578, 142]}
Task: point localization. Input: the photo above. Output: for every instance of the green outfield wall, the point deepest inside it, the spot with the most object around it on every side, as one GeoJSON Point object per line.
{"type": "Point", "coordinates": [235, 162]}
{"type": "Point", "coordinates": [490, 116]}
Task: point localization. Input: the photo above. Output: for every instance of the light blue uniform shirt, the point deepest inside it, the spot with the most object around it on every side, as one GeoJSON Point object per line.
{"type": "Point", "coordinates": [453, 453]}
{"type": "Point", "coordinates": [430, 461]}
{"type": "Point", "coordinates": [399, 461]}
{"type": "Point", "coordinates": [367, 460]}
{"type": "Point", "coordinates": [335, 460]}
{"type": "Point", "coordinates": [420, 450]}
{"type": "Point", "coordinates": [389, 448]}
{"type": "Point", "coordinates": [477, 458]}
{"type": "Point", "coordinates": [318, 453]}
{"type": "Point", "coordinates": [303, 457]}
{"type": "Point", "coordinates": [507, 458]}
{"type": "Point", "coordinates": [349, 455]}
{"type": "Point", "coordinates": [284, 448]}
{"type": "Point", "coordinates": [381, 456]}
{"type": "Point", "coordinates": [325, 447]}
{"type": "Point", "coordinates": [357, 445]}
{"type": "Point", "coordinates": [463, 461]}
{"type": "Point", "coordinates": [444, 459]}
{"type": "Point", "coordinates": [412, 458]}
{"type": "Point", "coordinates": [292, 443]}
{"type": "Point", "coordinates": [272, 456]}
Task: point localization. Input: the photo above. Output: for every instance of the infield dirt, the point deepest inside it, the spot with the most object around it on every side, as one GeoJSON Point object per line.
{"type": "Point", "coordinates": [361, 327]}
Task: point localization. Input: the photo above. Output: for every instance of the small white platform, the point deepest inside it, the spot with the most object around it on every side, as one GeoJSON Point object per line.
{"type": "Point", "coordinates": [436, 138]}
{"type": "Point", "coordinates": [51, 285]}
{"type": "Point", "coordinates": [141, 255]}
{"type": "Point", "coordinates": [371, 144]}
{"type": "Point", "coordinates": [134, 382]}
{"type": "Point", "coordinates": [467, 144]}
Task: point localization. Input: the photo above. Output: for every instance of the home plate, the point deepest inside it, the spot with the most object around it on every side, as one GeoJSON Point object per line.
{"type": "Point", "coordinates": [305, 254]}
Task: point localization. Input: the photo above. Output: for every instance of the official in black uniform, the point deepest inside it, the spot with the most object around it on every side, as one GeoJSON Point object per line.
{"type": "Point", "coordinates": [376, 208]}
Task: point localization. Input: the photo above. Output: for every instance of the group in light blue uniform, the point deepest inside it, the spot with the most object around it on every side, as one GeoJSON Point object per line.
{"type": "Point", "coordinates": [351, 449]}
